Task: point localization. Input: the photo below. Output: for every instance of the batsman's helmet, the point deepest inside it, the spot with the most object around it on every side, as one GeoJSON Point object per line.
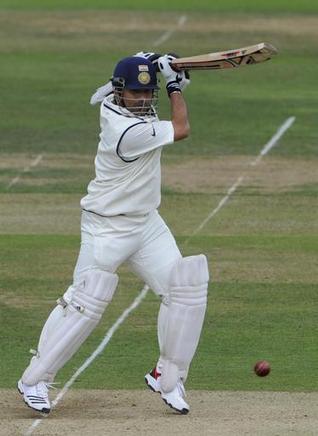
{"type": "Point", "coordinates": [135, 73]}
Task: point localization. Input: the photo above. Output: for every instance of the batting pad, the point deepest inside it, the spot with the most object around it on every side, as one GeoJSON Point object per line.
{"type": "Point", "coordinates": [186, 310]}
{"type": "Point", "coordinates": [162, 324]}
{"type": "Point", "coordinates": [67, 328]}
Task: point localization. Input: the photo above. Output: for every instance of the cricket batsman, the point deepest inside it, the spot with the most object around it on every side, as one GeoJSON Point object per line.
{"type": "Point", "coordinates": [120, 223]}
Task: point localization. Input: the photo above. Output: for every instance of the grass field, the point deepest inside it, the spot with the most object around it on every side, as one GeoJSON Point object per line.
{"type": "Point", "coordinates": [262, 246]}
{"type": "Point", "coordinates": [245, 6]}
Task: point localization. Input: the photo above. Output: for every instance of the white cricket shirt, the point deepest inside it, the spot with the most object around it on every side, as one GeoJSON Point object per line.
{"type": "Point", "coordinates": [127, 164]}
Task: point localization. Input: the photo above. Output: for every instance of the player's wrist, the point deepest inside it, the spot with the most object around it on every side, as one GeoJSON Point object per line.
{"type": "Point", "coordinates": [172, 87]}
{"type": "Point", "coordinates": [175, 92]}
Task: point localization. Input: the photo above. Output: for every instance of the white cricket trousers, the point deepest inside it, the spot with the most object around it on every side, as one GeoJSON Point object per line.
{"type": "Point", "coordinates": [145, 243]}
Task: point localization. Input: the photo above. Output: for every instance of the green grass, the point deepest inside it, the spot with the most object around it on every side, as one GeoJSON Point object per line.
{"type": "Point", "coordinates": [57, 116]}
{"type": "Point", "coordinates": [47, 77]}
{"type": "Point", "coordinates": [246, 320]}
{"type": "Point", "coordinates": [261, 246]}
{"type": "Point", "coordinates": [163, 5]}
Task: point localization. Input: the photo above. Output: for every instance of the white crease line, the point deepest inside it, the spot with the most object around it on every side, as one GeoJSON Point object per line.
{"type": "Point", "coordinates": [93, 356]}
{"type": "Point", "coordinates": [26, 169]}
{"type": "Point", "coordinates": [166, 35]}
{"type": "Point", "coordinates": [267, 147]}
{"type": "Point", "coordinates": [103, 344]}
{"type": "Point", "coordinates": [273, 141]}
{"type": "Point", "coordinates": [145, 289]}
{"type": "Point", "coordinates": [222, 203]}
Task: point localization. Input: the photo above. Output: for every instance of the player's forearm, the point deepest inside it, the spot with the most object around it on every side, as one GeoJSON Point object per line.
{"type": "Point", "coordinates": [179, 116]}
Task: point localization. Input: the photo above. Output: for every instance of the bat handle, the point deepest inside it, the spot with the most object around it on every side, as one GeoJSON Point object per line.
{"type": "Point", "coordinates": [175, 68]}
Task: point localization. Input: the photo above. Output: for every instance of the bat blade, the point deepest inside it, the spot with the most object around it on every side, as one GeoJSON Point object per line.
{"type": "Point", "coordinates": [253, 54]}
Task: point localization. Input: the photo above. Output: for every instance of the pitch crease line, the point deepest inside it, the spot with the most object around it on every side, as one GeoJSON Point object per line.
{"type": "Point", "coordinates": [267, 147]}
{"type": "Point", "coordinates": [26, 169]}
{"type": "Point", "coordinates": [166, 35]}
{"type": "Point", "coordinates": [273, 141]}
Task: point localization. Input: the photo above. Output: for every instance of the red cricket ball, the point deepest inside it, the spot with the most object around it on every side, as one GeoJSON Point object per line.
{"type": "Point", "coordinates": [262, 368]}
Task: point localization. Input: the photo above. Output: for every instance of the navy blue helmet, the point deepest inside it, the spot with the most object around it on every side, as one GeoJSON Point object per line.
{"type": "Point", "coordinates": [135, 72]}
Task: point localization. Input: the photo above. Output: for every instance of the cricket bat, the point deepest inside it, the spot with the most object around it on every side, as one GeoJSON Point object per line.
{"type": "Point", "coordinates": [250, 55]}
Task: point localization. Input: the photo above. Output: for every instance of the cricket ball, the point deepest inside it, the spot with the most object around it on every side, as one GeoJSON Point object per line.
{"type": "Point", "coordinates": [262, 368]}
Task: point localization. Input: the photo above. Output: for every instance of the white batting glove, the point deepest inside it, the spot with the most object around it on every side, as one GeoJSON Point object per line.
{"type": "Point", "coordinates": [151, 56]}
{"type": "Point", "coordinates": [176, 80]}
{"type": "Point", "coordinates": [101, 93]}
{"type": "Point", "coordinates": [185, 81]}
{"type": "Point", "coordinates": [145, 55]}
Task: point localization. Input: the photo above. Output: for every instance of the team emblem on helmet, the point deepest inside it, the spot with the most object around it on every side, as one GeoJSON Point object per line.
{"type": "Point", "coordinates": [143, 68]}
{"type": "Point", "coordinates": [144, 78]}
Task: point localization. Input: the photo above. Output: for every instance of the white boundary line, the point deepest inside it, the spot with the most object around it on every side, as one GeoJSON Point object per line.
{"type": "Point", "coordinates": [222, 203]}
{"type": "Point", "coordinates": [26, 169]}
{"type": "Point", "coordinates": [273, 141]}
{"type": "Point", "coordinates": [166, 35]}
{"type": "Point", "coordinates": [267, 147]}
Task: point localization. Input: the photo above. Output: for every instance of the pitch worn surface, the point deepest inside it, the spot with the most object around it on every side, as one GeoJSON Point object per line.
{"type": "Point", "coordinates": [97, 412]}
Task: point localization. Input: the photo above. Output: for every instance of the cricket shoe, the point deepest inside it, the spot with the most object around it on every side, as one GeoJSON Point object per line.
{"type": "Point", "coordinates": [36, 396]}
{"type": "Point", "coordinates": [175, 398]}
{"type": "Point", "coordinates": [152, 380]}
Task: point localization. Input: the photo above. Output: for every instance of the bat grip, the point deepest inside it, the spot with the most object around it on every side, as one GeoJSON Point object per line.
{"type": "Point", "coordinates": [175, 68]}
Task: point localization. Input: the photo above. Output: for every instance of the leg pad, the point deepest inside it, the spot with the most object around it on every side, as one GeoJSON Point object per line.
{"type": "Point", "coordinates": [66, 329]}
{"type": "Point", "coordinates": [186, 311]}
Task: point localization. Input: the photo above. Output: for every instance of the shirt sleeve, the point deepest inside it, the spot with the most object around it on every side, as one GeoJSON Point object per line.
{"type": "Point", "coordinates": [142, 137]}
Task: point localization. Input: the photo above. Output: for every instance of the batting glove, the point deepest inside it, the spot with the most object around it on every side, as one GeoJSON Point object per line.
{"type": "Point", "coordinates": [176, 80]}
{"type": "Point", "coordinates": [152, 57]}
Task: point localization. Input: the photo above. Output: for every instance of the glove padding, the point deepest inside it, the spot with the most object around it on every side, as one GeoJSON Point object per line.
{"type": "Point", "coordinates": [176, 80]}
{"type": "Point", "coordinates": [101, 93]}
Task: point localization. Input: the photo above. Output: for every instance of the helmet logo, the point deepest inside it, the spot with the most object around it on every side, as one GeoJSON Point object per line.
{"type": "Point", "coordinates": [144, 78]}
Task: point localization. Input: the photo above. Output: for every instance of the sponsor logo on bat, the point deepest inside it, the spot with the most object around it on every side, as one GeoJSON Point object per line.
{"type": "Point", "coordinates": [233, 53]}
